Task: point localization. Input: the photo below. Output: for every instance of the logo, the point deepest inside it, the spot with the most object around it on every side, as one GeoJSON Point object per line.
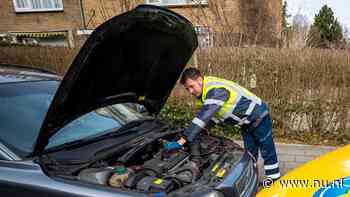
{"type": "Point", "coordinates": [339, 188]}
{"type": "Point", "coordinates": [267, 183]}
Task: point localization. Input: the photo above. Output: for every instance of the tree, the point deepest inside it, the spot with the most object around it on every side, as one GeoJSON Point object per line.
{"type": "Point", "coordinates": [326, 31]}
{"type": "Point", "coordinates": [285, 16]}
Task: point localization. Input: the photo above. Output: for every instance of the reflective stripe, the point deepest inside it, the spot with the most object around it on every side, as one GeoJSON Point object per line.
{"type": "Point", "coordinates": [198, 122]}
{"type": "Point", "coordinates": [245, 121]}
{"type": "Point", "coordinates": [237, 119]}
{"type": "Point", "coordinates": [229, 112]}
{"type": "Point", "coordinates": [265, 113]}
{"type": "Point", "coordinates": [274, 176]}
{"type": "Point", "coordinates": [271, 167]}
{"type": "Point", "coordinates": [235, 104]}
{"type": "Point", "coordinates": [236, 88]}
{"type": "Point", "coordinates": [254, 100]}
{"type": "Point", "coordinates": [215, 120]}
{"type": "Point", "coordinates": [250, 108]}
{"type": "Point", "coordinates": [214, 101]}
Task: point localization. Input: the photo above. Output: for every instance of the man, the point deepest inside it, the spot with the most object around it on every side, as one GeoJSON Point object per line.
{"type": "Point", "coordinates": [231, 104]}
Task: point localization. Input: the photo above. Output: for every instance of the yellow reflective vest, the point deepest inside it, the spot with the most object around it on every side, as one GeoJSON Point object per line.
{"type": "Point", "coordinates": [240, 105]}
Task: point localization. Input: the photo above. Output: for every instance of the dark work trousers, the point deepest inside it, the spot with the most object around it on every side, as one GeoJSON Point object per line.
{"type": "Point", "coordinates": [260, 138]}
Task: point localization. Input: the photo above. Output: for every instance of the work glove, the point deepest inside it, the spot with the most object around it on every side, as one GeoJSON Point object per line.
{"type": "Point", "coordinates": [169, 146]}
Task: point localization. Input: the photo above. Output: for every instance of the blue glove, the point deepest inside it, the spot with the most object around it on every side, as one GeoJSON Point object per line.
{"type": "Point", "coordinates": [168, 146]}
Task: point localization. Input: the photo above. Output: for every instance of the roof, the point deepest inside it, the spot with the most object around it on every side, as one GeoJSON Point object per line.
{"type": "Point", "coordinates": [17, 73]}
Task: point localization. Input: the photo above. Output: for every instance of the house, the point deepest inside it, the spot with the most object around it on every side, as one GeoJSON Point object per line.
{"type": "Point", "coordinates": [218, 22]}
{"type": "Point", "coordinates": [47, 22]}
{"type": "Point", "coordinates": [67, 22]}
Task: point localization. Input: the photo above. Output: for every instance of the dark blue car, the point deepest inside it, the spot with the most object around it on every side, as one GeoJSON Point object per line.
{"type": "Point", "coordinates": [95, 132]}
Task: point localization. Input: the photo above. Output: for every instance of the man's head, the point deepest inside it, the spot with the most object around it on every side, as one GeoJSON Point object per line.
{"type": "Point", "coordinates": [192, 80]}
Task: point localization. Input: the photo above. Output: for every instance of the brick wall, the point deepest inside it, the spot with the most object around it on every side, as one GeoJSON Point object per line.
{"type": "Point", "coordinates": [258, 20]}
{"type": "Point", "coordinates": [96, 12]}
{"type": "Point", "coordinates": [70, 18]}
{"type": "Point", "coordinates": [262, 20]}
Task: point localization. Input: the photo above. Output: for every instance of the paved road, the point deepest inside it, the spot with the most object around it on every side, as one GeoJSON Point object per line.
{"type": "Point", "coordinates": [292, 155]}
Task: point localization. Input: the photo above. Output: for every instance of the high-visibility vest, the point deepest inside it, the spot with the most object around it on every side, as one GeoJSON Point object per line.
{"type": "Point", "coordinates": [240, 104]}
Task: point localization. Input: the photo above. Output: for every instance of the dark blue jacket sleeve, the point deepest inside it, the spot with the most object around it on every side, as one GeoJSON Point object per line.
{"type": "Point", "coordinates": [214, 101]}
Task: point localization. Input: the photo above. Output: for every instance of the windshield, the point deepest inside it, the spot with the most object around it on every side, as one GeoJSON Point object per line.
{"type": "Point", "coordinates": [96, 123]}
{"type": "Point", "coordinates": [24, 106]}
{"type": "Point", "coordinates": [22, 109]}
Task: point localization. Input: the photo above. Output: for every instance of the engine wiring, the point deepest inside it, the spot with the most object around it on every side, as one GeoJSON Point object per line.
{"type": "Point", "coordinates": [217, 145]}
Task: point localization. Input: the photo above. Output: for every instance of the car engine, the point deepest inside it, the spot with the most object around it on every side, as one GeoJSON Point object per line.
{"type": "Point", "coordinates": [146, 167]}
{"type": "Point", "coordinates": [165, 172]}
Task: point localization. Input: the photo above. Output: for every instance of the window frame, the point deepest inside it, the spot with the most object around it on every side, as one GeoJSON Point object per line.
{"type": "Point", "coordinates": [22, 10]}
{"type": "Point", "coordinates": [184, 3]}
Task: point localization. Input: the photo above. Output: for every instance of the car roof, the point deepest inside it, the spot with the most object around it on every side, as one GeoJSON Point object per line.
{"type": "Point", "coordinates": [10, 73]}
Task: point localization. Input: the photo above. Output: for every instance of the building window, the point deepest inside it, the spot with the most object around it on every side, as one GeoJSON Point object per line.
{"type": "Point", "coordinates": [176, 2]}
{"type": "Point", "coordinates": [37, 5]}
{"type": "Point", "coordinates": [205, 36]}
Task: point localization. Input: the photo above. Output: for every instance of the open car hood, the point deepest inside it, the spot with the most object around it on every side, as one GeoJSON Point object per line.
{"type": "Point", "coordinates": [135, 57]}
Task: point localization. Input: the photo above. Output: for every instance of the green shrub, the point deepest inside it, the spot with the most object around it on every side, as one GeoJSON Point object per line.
{"type": "Point", "coordinates": [178, 113]}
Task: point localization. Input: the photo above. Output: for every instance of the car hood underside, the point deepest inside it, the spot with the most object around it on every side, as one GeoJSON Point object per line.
{"type": "Point", "coordinates": [135, 57]}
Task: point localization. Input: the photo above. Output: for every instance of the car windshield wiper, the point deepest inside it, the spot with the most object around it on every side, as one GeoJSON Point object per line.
{"type": "Point", "coordinates": [125, 129]}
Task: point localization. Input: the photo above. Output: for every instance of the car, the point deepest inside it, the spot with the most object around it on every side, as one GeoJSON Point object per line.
{"type": "Point", "coordinates": [95, 132]}
{"type": "Point", "coordinates": [326, 176]}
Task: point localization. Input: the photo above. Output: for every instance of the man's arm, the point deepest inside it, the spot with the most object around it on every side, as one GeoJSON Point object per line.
{"type": "Point", "coordinates": [214, 101]}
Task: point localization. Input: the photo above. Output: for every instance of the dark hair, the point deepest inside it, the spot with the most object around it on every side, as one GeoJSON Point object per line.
{"type": "Point", "coordinates": [190, 73]}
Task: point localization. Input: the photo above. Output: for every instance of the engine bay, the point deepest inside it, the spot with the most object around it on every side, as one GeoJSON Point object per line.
{"type": "Point", "coordinates": [148, 168]}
